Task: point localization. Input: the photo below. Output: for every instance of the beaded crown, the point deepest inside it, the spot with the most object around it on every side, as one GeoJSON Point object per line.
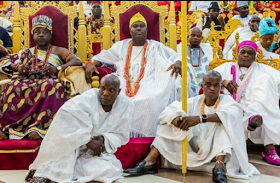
{"type": "Point", "coordinates": [137, 17]}
{"type": "Point", "coordinates": [41, 21]}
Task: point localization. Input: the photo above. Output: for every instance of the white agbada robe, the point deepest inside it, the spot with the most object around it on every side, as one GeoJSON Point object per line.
{"type": "Point", "coordinates": [261, 96]}
{"type": "Point", "coordinates": [63, 155]}
{"type": "Point", "coordinates": [207, 140]}
{"type": "Point", "coordinates": [267, 54]}
{"type": "Point", "coordinates": [193, 72]}
{"type": "Point", "coordinates": [245, 33]}
{"type": "Point", "coordinates": [157, 88]}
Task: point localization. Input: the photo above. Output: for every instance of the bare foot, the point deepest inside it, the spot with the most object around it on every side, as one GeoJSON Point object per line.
{"type": "Point", "coordinates": [3, 136]}
{"type": "Point", "coordinates": [33, 136]}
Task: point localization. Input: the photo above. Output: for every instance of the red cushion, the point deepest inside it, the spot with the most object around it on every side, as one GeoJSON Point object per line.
{"type": "Point", "coordinates": [151, 17]}
{"type": "Point", "coordinates": [59, 25]}
{"type": "Point", "coordinates": [18, 160]}
{"type": "Point", "coordinates": [134, 151]}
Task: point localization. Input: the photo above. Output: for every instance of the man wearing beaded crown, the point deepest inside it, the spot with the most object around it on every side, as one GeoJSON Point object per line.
{"type": "Point", "coordinates": [35, 92]}
{"type": "Point", "coordinates": [213, 129]}
{"type": "Point", "coordinates": [257, 90]}
{"type": "Point", "coordinates": [142, 65]}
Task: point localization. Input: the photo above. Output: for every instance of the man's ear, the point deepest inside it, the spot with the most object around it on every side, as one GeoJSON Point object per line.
{"type": "Point", "coordinates": [119, 91]}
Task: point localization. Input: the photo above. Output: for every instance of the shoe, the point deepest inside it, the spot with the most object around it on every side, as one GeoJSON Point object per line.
{"type": "Point", "coordinates": [255, 121]}
{"type": "Point", "coordinates": [140, 169]}
{"type": "Point", "coordinates": [272, 157]}
{"type": "Point", "coordinates": [219, 175]}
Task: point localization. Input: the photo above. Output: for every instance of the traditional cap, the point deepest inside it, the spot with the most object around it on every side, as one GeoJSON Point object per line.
{"type": "Point", "coordinates": [42, 21]}
{"type": "Point", "coordinates": [264, 27]}
{"type": "Point", "coordinates": [93, 2]}
{"type": "Point", "coordinates": [214, 5]}
{"type": "Point", "coordinates": [241, 3]}
{"type": "Point", "coordinates": [137, 17]}
{"type": "Point", "coordinates": [248, 44]}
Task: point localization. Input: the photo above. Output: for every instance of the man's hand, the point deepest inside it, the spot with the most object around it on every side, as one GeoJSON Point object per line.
{"type": "Point", "coordinates": [176, 68]}
{"type": "Point", "coordinates": [188, 122]}
{"type": "Point", "coordinates": [96, 145]}
{"type": "Point", "coordinates": [221, 20]}
{"type": "Point", "coordinates": [177, 121]}
{"type": "Point", "coordinates": [23, 69]}
{"type": "Point", "coordinates": [255, 27]}
{"type": "Point", "coordinates": [277, 51]}
{"type": "Point", "coordinates": [4, 50]}
{"type": "Point", "coordinates": [89, 71]}
{"type": "Point", "coordinates": [49, 70]}
{"type": "Point", "coordinates": [230, 86]}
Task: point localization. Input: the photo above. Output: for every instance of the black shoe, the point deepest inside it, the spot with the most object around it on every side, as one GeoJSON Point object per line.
{"type": "Point", "coordinates": [219, 175]}
{"type": "Point", "coordinates": [140, 169]}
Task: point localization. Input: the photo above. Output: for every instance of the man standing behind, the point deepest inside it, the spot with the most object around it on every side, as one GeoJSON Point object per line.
{"type": "Point", "coordinates": [204, 23]}
{"type": "Point", "coordinates": [83, 136]}
{"type": "Point", "coordinates": [243, 9]}
{"type": "Point", "coordinates": [245, 33]}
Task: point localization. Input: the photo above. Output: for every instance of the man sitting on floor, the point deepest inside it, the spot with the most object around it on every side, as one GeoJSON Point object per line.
{"type": "Point", "coordinates": [213, 129]}
{"type": "Point", "coordinates": [83, 136]}
{"type": "Point", "coordinates": [142, 66]}
{"type": "Point", "coordinates": [257, 90]}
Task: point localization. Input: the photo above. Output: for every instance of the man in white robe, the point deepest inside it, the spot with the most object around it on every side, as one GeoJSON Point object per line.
{"type": "Point", "coordinates": [245, 33]}
{"type": "Point", "coordinates": [141, 66]}
{"type": "Point", "coordinates": [199, 56]}
{"type": "Point", "coordinates": [213, 129]}
{"type": "Point", "coordinates": [83, 136]}
{"type": "Point", "coordinates": [257, 90]}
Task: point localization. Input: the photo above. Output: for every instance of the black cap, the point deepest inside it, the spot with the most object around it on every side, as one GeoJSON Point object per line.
{"type": "Point", "coordinates": [214, 5]}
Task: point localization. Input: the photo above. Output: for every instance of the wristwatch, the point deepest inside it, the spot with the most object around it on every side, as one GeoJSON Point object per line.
{"type": "Point", "coordinates": [204, 118]}
{"type": "Point", "coordinates": [58, 68]}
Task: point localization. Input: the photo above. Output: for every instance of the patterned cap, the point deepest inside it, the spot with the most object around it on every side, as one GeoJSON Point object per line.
{"type": "Point", "coordinates": [42, 21]}
{"type": "Point", "coordinates": [136, 18]}
{"type": "Point", "coordinates": [241, 3]}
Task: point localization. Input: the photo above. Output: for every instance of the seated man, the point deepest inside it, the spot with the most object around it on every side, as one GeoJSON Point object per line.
{"type": "Point", "coordinates": [257, 90]}
{"type": "Point", "coordinates": [243, 9]}
{"type": "Point", "coordinates": [6, 43]}
{"type": "Point", "coordinates": [82, 150]}
{"type": "Point", "coordinates": [200, 5]}
{"type": "Point", "coordinates": [141, 65]}
{"type": "Point", "coordinates": [245, 33]}
{"type": "Point", "coordinates": [268, 29]}
{"type": "Point", "coordinates": [199, 57]}
{"type": "Point", "coordinates": [204, 23]}
{"type": "Point", "coordinates": [35, 93]}
{"type": "Point", "coordinates": [213, 129]}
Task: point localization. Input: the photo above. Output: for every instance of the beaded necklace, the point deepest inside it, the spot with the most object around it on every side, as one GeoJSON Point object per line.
{"type": "Point", "coordinates": [195, 72]}
{"type": "Point", "coordinates": [129, 81]}
{"type": "Point", "coordinates": [35, 65]}
{"type": "Point", "coordinates": [203, 105]}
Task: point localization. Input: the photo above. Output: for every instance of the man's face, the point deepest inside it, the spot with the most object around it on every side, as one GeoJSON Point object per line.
{"type": "Point", "coordinates": [195, 37]}
{"type": "Point", "coordinates": [211, 87]}
{"type": "Point", "coordinates": [42, 36]}
{"type": "Point", "coordinates": [266, 40]}
{"type": "Point", "coordinates": [138, 31]}
{"type": "Point", "coordinates": [254, 23]}
{"type": "Point", "coordinates": [246, 56]}
{"type": "Point", "coordinates": [108, 92]}
{"type": "Point", "coordinates": [96, 9]}
{"type": "Point", "coordinates": [214, 13]}
{"type": "Point", "coordinates": [243, 11]}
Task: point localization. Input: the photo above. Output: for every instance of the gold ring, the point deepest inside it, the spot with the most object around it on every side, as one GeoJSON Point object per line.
{"type": "Point", "coordinates": [23, 70]}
